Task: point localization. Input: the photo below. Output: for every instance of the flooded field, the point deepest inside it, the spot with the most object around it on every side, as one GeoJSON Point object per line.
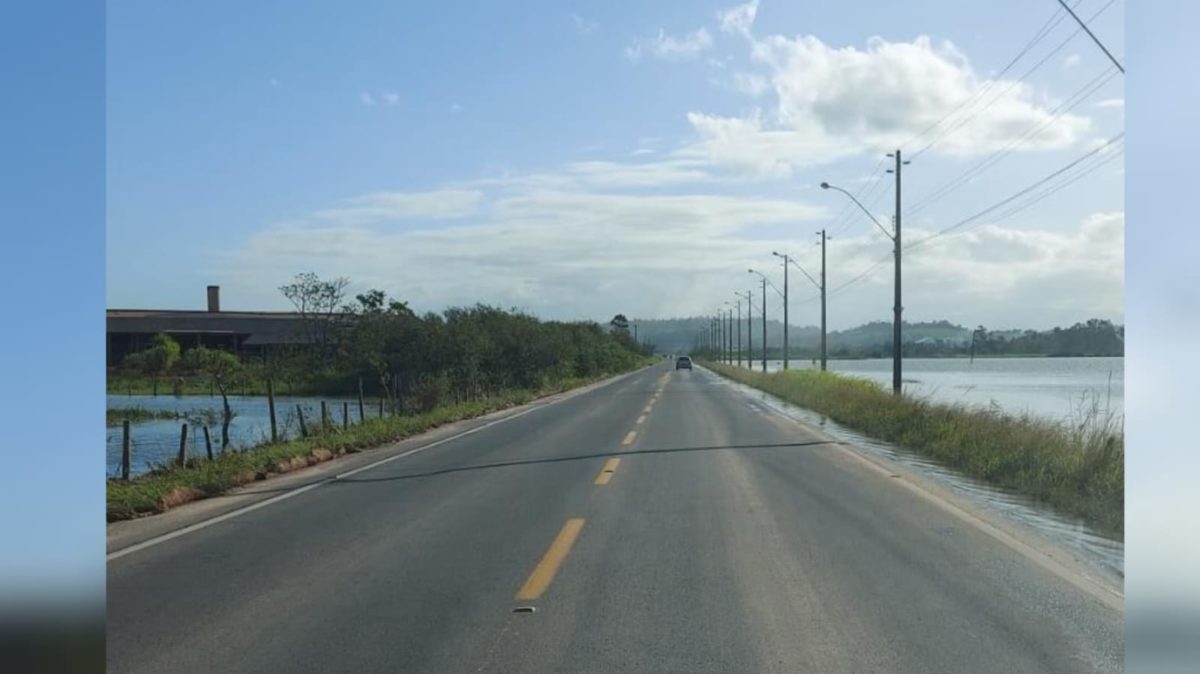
{"type": "Point", "coordinates": [157, 441]}
{"type": "Point", "coordinates": [1055, 388]}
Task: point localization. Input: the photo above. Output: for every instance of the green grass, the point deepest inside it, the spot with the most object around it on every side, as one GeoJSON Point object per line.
{"type": "Point", "coordinates": [144, 494]}
{"type": "Point", "coordinates": [1077, 467]}
{"type": "Point", "coordinates": [115, 415]}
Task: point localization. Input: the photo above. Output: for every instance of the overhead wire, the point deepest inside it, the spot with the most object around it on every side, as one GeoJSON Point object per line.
{"type": "Point", "coordinates": [1051, 23]}
{"type": "Point", "coordinates": [1080, 95]}
{"type": "Point", "coordinates": [965, 119]}
{"type": "Point", "coordinates": [1020, 193]}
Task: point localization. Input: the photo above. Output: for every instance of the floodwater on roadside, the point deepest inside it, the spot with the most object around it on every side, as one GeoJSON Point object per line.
{"type": "Point", "coordinates": [1062, 389]}
{"type": "Point", "coordinates": [1097, 549]}
{"type": "Point", "coordinates": [157, 441]}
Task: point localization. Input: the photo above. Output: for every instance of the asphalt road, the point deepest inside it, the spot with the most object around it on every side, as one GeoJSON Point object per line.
{"type": "Point", "coordinates": [659, 523]}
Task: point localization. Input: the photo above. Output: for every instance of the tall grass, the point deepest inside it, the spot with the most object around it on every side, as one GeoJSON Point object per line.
{"type": "Point", "coordinates": [1077, 466]}
{"type": "Point", "coordinates": [154, 492]}
{"type": "Point", "coordinates": [115, 415]}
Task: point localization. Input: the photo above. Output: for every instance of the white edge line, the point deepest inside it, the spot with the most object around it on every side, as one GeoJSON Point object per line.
{"type": "Point", "coordinates": [163, 538]}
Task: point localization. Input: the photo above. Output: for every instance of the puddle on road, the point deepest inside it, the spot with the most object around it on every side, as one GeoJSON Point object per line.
{"type": "Point", "coordinates": [1092, 547]}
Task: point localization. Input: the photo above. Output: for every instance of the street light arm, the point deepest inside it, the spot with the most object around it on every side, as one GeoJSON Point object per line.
{"type": "Point", "coordinates": [764, 277]}
{"type": "Point", "coordinates": [883, 229]}
{"type": "Point", "coordinates": [806, 274]}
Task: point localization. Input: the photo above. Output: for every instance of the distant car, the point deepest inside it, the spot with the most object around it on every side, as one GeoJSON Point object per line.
{"type": "Point", "coordinates": [683, 363]}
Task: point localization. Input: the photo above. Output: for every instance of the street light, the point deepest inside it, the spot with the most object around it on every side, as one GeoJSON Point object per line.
{"type": "Point", "coordinates": [749, 329]}
{"type": "Point", "coordinates": [764, 313]}
{"type": "Point", "coordinates": [785, 307]}
{"type": "Point", "coordinates": [895, 237]}
{"type": "Point", "coordinates": [739, 332]}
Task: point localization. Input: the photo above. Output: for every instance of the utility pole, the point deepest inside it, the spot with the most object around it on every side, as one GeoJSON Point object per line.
{"type": "Point", "coordinates": [721, 315]}
{"type": "Point", "coordinates": [729, 331]}
{"type": "Point", "coordinates": [764, 324]}
{"type": "Point", "coordinates": [749, 331]}
{"type": "Point", "coordinates": [897, 350]}
{"type": "Point", "coordinates": [894, 235]}
{"type": "Point", "coordinates": [786, 259]}
{"type": "Point", "coordinates": [763, 277]}
{"type": "Point", "coordinates": [739, 332]}
{"type": "Point", "coordinates": [824, 352]}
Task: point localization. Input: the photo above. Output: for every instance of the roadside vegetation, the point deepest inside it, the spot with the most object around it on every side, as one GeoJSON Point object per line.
{"type": "Point", "coordinates": [425, 370]}
{"type": "Point", "coordinates": [1077, 467]}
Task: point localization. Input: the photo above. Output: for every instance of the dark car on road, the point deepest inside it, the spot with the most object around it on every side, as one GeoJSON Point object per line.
{"type": "Point", "coordinates": [683, 363]}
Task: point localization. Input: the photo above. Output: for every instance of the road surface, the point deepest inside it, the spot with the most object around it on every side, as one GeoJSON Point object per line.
{"type": "Point", "coordinates": [660, 522]}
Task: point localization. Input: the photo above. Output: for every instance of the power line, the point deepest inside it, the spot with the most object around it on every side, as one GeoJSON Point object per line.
{"type": "Point", "coordinates": [1066, 106]}
{"type": "Point", "coordinates": [1093, 36]}
{"type": "Point", "coordinates": [846, 216]}
{"type": "Point", "coordinates": [1049, 191]}
{"type": "Point", "coordinates": [967, 118]}
{"type": "Point", "coordinates": [1042, 32]}
{"type": "Point", "coordinates": [1009, 199]}
{"type": "Point", "coordinates": [878, 263]}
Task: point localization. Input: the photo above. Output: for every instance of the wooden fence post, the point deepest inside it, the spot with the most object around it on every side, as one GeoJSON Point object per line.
{"type": "Point", "coordinates": [271, 409]}
{"type": "Point", "coordinates": [345, 415]}
{"type": "Point", "coordinates": [324, 417]}
{"type": "Point", "coordinates": [183, 444]}
{"type": "Point", "coordinates": [361, 411]}
{"type": "Point", "coordinates": [300, 414]}
{"type": "Point", "coordinates": [208, 444]}
{"type": "Point", "coordinates": [381, 407]}
{"type": "Point", "coordinates": [125, 450]}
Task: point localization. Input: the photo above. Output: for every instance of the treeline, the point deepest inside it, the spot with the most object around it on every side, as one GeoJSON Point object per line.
{"type": "Point", "coordinates": [1096, 337]}
{"type": "Point", "coordinates": [413, 361]}
{"type": "Point", "coordinates": [463, 352]}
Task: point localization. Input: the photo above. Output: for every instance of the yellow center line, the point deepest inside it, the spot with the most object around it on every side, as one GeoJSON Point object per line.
{"type": "Point", "coordinates": [543, 573]}
{"type": "Point", "coordinates": [629, 438]}
{"type": "Point", "coordinates": [610, 467]}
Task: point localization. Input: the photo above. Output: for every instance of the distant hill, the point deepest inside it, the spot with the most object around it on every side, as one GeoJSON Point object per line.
{"type": "Point", "coordinates": [934, 338]}
{"type": "Point", "coordinates": [680, 334]}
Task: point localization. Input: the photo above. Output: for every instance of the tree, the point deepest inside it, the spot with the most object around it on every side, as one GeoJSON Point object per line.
{"type": "Point", "coordinates": [317, 302]}
{"type": "Point", "coordinates": [221, 367]}
{"type": "Point", "coordinates": [156, 361]}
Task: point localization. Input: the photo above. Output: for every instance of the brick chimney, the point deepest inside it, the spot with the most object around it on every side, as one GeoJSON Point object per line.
{"type": "Point", "coordinates": [214, 298]}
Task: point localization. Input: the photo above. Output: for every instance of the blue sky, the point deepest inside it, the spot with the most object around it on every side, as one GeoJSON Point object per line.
{"type": "Point", "coordinates": [583, 159]}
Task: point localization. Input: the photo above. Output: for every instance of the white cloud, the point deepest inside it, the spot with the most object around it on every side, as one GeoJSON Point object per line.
{"type": "Point", "coordinates": [1071, 61]}
{"type": "Point", "coordinates": [1021, 277]}
{"type": "Point", "coordinates": [750, 83]}
{"type": "Point", "coordinates": [1111, 103]}
{"type": "Point", "coordinates": [567, 254]}
{"type": "Point", "coordinates": [583, 26]}
{"type": "Point", "coordinates": [671, 48]}
{"type": "Point", "coordinates": [739, 19]}
{"type": "Point", "coordinates": [564, 254]}
{"type": "Point", "coordinates": [745, 146]}
{"type": "Point", "coordinates": [883, 95]}
{"type": "Point", "coordinates": [391, 206]}
{"type": "Point", "coordinates": [384, 98]}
